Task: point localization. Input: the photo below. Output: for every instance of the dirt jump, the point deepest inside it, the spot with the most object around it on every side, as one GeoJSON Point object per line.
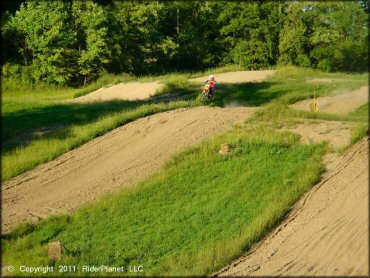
{"type": "Point", "coordinates": [326, 234]}
{"type": "Point", "coordinates": [341, 103]}
{"type": "Point", "coordinates": [122, 91]}
{"type": "Point", "coordinates": [120, 158]}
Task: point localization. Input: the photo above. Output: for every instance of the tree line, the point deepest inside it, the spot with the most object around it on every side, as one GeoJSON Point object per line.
{"type": "Point", "coordinates": [74, 42]}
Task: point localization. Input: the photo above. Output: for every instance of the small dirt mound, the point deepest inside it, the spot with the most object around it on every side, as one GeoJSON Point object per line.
{"type": "Point", "coordinates": [122, 91]}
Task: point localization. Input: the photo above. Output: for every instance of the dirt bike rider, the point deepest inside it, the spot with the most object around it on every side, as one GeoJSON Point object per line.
{"type": "Point", "coordinates": [212, 82]}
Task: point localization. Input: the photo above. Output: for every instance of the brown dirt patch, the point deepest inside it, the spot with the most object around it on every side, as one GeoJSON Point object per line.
{"type": "Point", "coordinates": [341, 104]}
{"type": "Point", "coordinates": [122, 91]}
{"type": "Point", "coordinates": [338, 134]}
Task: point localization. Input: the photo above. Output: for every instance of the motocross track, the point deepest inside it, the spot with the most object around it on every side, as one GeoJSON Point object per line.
{"type": "Point", "coordinates": [326, 234]}
{"type": "Point", "coordinates": [332, 216]}
{"type": "Point", "coordinates": [341, 103]}
{"type": "Point", "coordinates": [140, 91]}
{"type": "Point", "coordinates": [120, 158]}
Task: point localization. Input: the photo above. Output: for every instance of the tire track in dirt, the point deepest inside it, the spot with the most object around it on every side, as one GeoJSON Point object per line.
{"type": "Point", "coordinates": [327, 231]}
{"type": "Point", "coordinates": [120, 158]}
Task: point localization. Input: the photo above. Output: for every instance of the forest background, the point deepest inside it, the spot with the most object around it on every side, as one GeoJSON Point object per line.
{"type": "Point", "coordinates": [75, 42]}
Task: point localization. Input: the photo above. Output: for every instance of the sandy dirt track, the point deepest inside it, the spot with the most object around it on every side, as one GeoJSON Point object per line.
{"type": "Point", "coordinates": [238, 76]}
{"type": "Point", "coordinates": [122, 91]}
{"type": "Point", "coordinates": [117, 159]}
{"type": "Point", "coordinates": [327, 231]}
{"type": "Point", "coordinates": [342, 103]}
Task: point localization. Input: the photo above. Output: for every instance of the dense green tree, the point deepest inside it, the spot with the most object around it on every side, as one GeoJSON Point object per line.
{"type": "Point", "coordinates": [251, 32]}
{"type": "Point", "coordinates": [91, 22]}
{"type": "Point", "coordinates": [339, 38]}
{"type": "Point", "coordinates": [74, 42]}
{"type": "Point", "coordinates": [294, 45]}
{"type": "Point", "coordinates": [327, 35]}
{"type": "Point", "coordinates": [46, 36]}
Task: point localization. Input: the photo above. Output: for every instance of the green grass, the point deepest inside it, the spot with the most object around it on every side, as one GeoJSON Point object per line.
{"type": "Point", "coordinates": [359, 132]}
{"type": "Point", "coordinates": [194, 216]}
{"type": "Point", "coordinates": [361, 112]}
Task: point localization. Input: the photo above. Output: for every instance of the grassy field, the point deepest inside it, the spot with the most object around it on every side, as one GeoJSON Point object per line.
{"type": "Point", "coordinates": [198, 213]}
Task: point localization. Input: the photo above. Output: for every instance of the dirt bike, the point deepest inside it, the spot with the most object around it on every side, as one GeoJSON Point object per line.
{"type": "Point", "coordinates": [207, 93]}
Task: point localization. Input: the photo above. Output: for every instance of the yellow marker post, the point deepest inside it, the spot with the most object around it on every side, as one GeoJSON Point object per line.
{"type": "Point", "coordinates": [314, 102]}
